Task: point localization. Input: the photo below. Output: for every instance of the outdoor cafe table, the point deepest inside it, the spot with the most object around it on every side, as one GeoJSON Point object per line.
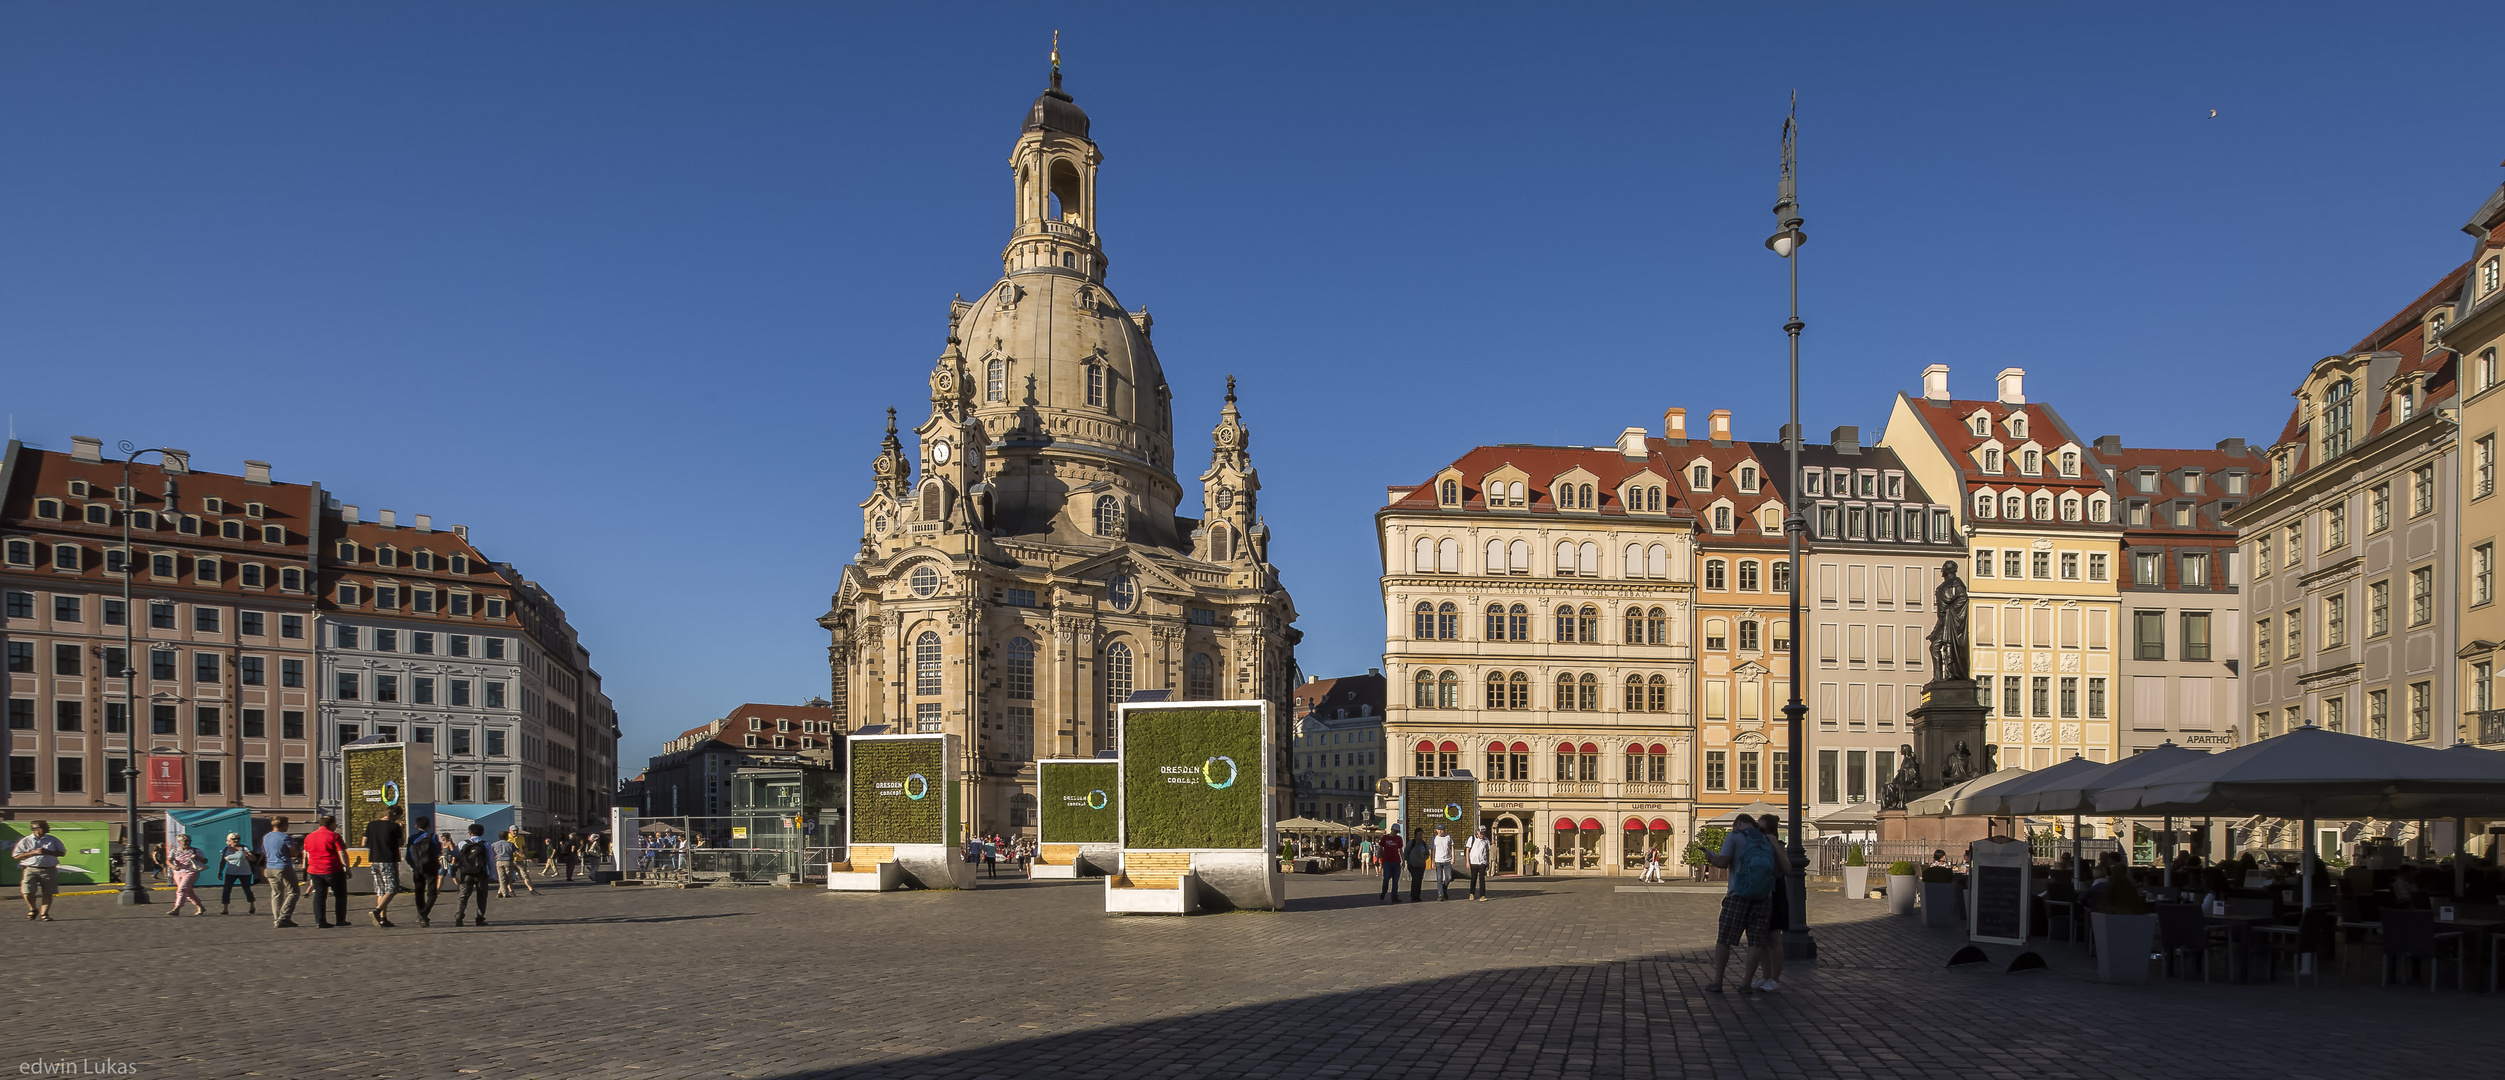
{"type": "Point", "coordinates": [2240, 930]}
{"type": "Point", "coordinates": [2484, 931]}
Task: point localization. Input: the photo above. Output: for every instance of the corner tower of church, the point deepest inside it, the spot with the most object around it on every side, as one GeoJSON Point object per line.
{"type": "Point", "coordinates": [1025, 568]}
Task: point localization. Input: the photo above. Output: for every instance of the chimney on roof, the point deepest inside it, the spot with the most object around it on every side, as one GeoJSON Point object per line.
{"type": "Point", "coordinates": [177, 461]}
{"type": "Point", "coordinates": [1790, 436]}
{"type": "Point", "coordinates": [1631, 444]}
{"type": "Point", "coordinates": [256, 472]}
{"type": "Point", "coordinates": [387, 520]}
{"type": "Point", "coordinates": [1375, 671]}
{"type": "Point", "coordinates": [425, 522]}
{"type": "Point", "coordinates": [1718, 426]}
{"type": "Point", "coordinates": [462, 531]}
{"type": "Point", "coordinates": [1847, 439]}
{"type": "Point", "coordinates": [348, 514]}
{"type": "Point", "coordinates": [2109, 444]}
{"type": "Point", "coordinates": [86, 448]}
{"type": "Point", "coordinates": [1674, 425]}
{"type": "Point", "coordinates": [2013, 383]}
{"type": "Point", "coordinates": [1935, 383]}
{"type": "Point", "coordinates": [2232, 446]}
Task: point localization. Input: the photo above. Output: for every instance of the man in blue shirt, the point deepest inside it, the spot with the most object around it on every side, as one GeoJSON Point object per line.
{"type": "Point", "coordinates": [286, 873]}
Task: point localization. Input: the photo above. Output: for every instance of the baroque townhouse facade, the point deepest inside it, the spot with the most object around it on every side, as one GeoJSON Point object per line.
{"type": "Point", "coordinates": [1540, 603]}
{"type": "Point", "coordinates": [418, 644]}
{"type": "Point", "coordinates": [2043, 547]}
{"type": "Point", "coordinates": [1877, 538]}
{"type": "Point", "coordinates": [692, 775]}
{"type": "Point", "coordinates": [2475, 336]}
{"type": "Point", "coordinates": [2182, 601]}
{"type": "Point", "coordinates": [221, 618]}
{"type": "Point", "coordinates": [1038, 572]}
{"type": "Point", "coordinates": [2353, 565]}
{"type": "Point", "coordinates": [1339, 747]}
{"type": "Point", "coordinates": [1743, 577]}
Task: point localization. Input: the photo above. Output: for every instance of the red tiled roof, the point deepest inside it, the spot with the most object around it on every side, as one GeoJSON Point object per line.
{"type": "Point", "coordinates": [2404, 333]}
{"type": "Point", "coordinates": [2168, 464]}
{"type": "Point", "coordinates": [1541, 465]}
{"type": "Point", "coordinates": [1947, 421]}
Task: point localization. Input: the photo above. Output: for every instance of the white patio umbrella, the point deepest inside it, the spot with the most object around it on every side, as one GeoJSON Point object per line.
{"type": "Point", "coordinates": [2071, 791]}
{"type": "Point", "coordinates": [1996, 800]}
{"type": "Point", "coordinates": [1938, 802]}
{"type": "Point", "coordinates": [2309, 773]}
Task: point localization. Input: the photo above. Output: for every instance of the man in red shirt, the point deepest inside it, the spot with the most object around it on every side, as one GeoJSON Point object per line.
{"type": "Point", "coordinates": [326, 863]}
{"type": "Point", "coordinates": [1388, 850]}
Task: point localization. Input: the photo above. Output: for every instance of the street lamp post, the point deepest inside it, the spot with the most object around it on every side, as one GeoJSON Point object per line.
{"type": "Point", "coordinates": [1786, 242]}
{"type": "Point", "coordinates": [134, 891]}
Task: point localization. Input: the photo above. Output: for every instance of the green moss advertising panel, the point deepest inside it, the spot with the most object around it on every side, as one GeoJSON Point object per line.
{"type": "Point", "coordinates": [1192, 778]}
{"type": "Point", "coordinates": [1080, 802]}
{"type": "Point", "coordinates": [375, 774]}
{"type": "Point", "coordinates": [900, 792]}
{"type": "Point", "coordinates": [1426, 803]}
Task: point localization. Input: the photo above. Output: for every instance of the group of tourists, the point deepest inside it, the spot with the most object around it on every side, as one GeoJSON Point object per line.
{"type": "Point", "coordinates": [409, 860]}
{"type": "Point", "coordinates": [992, 850]}
{"type": "Point", "coordinates": [1442, 854]}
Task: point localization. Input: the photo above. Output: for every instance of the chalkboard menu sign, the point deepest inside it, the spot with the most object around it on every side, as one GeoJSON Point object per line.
{"type": "Point", "coordinates": [2000, 891]}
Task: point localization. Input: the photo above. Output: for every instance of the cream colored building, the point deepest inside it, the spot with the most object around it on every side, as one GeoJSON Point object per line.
{"type": "Point", "coordinates": [1035, 571]}
{"type": "Point", "coordinates": [1540, 605]}
{"type": "Point", "coordinates": [2476, 337]}
{"type": "Point", "coordinates": [2044, 548]}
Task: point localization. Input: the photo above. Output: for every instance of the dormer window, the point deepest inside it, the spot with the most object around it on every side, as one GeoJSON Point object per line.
{"type": "Point", "coordinates": [460, 564]}
{"type": "Point", "coordinates": [1984, 504]}
{"type": "Point", "coordinates": [2099, 510]}
{"type": "Point", "coordinates": [48, 508]}
{"type": "Point", "coordinates": [1700, 478]}
{"type": "Point", "coordinates": [2145, 479]}
{"type": "Point", "coordinates": [1869, 485]}
{"type": "Point", "coordinates": [1991, 460]}
{"type": "Point", "coordinates": [213, 504]}
{"type": "Point", "coordinates": [2235, 483]}
{"type": "Point", "coordinates": [2337, 405]}
{"type": "Point", "coordinates": [1813, 483]}
{"type": "Point", "coordinates": [1748, 479]}
{"type": "Point", "coordinates": [2191, 481]}
{"type": "Point", "coordinates": [79, 489]}
{"type": "Point", "coordinates": [2404, 404]}
{"type": "Point", "coordinates": [2491, 274]}
{"type": "Point", "coordinates": [2070, 463]}
{"type": "Point", "coordinates": [254, 510]}
{"type": "Point", "coordinates": [1722, 519]}
{"type": "Point", "coordinates": [1448, 493]}
{"type": "Point", "coordinates": [1979, 425]}
{"type": "Point", "coordinates": [1896, 485]}
{"type": "Point", "coordinates": [2017, 425]}
{"type": "Point", "coordinates": [2043, 508]}
{"type": "Point", "coordinates": [2014, 507]}
{"type": "Point", "coordinates": [2030, 462]}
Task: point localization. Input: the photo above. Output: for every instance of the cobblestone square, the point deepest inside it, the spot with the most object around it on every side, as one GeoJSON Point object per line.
{"type": "Point", "coordinates": [1552, 978]}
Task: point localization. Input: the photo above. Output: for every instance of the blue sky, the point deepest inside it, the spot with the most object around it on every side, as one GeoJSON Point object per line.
{"type": "Point", "coordinates": [626, 287]}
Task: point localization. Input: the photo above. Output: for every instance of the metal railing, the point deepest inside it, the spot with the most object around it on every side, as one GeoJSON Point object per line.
{"type": "Point", "coordinates": [2490, 726]}
{"type": "Point", "coordinates": [732, 850]}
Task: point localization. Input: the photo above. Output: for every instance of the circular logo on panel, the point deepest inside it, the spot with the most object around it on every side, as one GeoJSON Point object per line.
{"type": "Point", "coordinates": [1209, 772]}
{"type": "Point", "coordinates": [1096, 799]}
{"type": "Point", "coordinates": [916, 792]}
{"type": "Point", "coordinates": [391, 792]}
{"type": "Point", "coordinates": [1452, 811]}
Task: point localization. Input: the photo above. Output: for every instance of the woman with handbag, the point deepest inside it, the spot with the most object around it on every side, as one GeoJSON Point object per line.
{"type": "Point", "coordinates": [186, 864]}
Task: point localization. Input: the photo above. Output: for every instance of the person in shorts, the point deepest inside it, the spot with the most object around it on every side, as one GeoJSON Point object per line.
{"type": "Point", "coordinates": [1747, 902]}
{"type": "Point", "coordinates": [38, 858]}
{"type": "Point", "coordinates": [383, 841]}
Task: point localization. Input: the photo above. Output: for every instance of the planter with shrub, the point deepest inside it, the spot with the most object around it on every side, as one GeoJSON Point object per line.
{"type": "Point", "coordinates": [1900, 888]}
{"type": "Point", "coordinates": [1939, 897]}
{"type": "Point", "coordinates": [2126, 933]}
{"type": "Point", "coordinates": [1856, 874]}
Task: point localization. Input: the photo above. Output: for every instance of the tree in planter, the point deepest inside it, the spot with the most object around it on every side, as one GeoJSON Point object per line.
{"type": "Point", "coordinates": [1852, 855]}
{"type": "Point", "coordinates": [1708, 842]}
{"type": "Point", "coordinates": [1938, 875]}
{"type": "Point", "coordinates": [2122, 896]}
{"type": "Point", "coordinates": [1900, 868]}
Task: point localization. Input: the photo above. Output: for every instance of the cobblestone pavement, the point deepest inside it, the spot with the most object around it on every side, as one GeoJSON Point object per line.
{"type": "Point", "coordinates": [1552, 978]}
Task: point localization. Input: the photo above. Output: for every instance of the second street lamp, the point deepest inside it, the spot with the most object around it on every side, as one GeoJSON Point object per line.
{"type": "Point", "coordinates": [1786, 242]}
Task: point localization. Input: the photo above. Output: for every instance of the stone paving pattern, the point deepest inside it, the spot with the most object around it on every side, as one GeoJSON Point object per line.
{"type": "Point", "coordinates": [1031, 979]}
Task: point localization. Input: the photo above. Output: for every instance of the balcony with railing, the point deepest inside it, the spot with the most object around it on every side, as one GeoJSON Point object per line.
{"type": "Point", "coordinates": [1062, 229]}
{"type": "Point", "coordinates": [2489, 725]}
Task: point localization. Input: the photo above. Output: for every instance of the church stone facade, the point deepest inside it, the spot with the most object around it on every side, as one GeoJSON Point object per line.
{"type": "Point", "coordinates": [1027, 568]}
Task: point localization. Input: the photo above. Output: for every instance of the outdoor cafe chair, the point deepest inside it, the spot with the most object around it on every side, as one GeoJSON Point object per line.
{"type": "Point", "coordinates": [2315, 935]}
{"type": "Point", "coordinates": [2182, 933]}
{"type": "Point", "coordinates": [2413, 934]}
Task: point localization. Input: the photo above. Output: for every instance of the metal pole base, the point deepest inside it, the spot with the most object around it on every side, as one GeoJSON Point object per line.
{"type": "Point", "coordinates": [1798, 945]}
{"type": "Point", "coordinates": [127, 898]}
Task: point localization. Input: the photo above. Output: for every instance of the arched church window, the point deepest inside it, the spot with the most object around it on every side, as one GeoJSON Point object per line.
{"type": "Point", "coordinates": [1070, 259]}
{"type": "Point", "coordinates": [1222, 544]}
{"type": "Point", "coordinates": [930, 501]}
{"type": "Point", "coordinates": [1108, 516]}
{"type": "Point", "coordinates": [1095, 384]}
{"type": "Point", "coordinates": [1117, 673]}
{"type": "Point", "coordinates": [996, 380]}
{"type": "Point", "coordinates": [1204, 681]}
{"type": "Point", "coordinates": [1021, 669]}
{"type": "Point", "coordinates": [926, 664]}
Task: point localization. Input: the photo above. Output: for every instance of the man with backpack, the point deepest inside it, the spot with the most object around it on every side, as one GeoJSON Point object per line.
{"type": "Point", "coordinates": [425, 858]}
{"type": "Point", "coordinates": [474, 871]}
{"type": "Point", "coordinates": [1755, 873]}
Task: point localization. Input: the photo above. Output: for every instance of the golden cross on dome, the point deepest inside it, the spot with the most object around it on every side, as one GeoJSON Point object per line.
{"type": "Point", "coordinates": [1056, 52]}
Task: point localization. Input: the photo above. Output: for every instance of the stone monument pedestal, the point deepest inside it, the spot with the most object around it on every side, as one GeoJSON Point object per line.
{"type": "Point", "coordinates": [1940, 832]}
{"type": "Point", "coordinates": [1950, 716]}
